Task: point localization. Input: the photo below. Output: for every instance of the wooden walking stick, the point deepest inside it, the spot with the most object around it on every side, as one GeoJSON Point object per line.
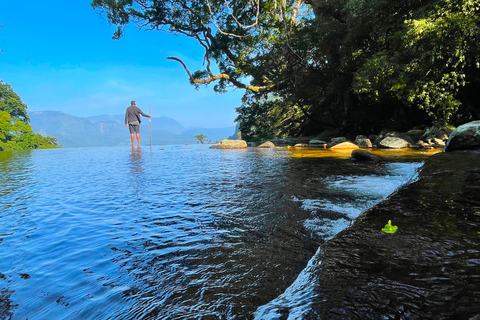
{"type": "Point", "coordinates": [150, 126]}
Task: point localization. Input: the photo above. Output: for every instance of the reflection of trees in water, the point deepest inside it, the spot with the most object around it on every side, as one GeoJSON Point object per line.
{"type": "Point", "coordinates": [15, 170]}
{"type": "Point", "coordinates": [6, 304]}
{"type": "Point", "coordinates": [17, 186]}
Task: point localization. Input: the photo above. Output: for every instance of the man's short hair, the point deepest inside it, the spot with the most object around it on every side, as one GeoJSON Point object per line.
{"type": "Point", "coordinates": [133, 103]}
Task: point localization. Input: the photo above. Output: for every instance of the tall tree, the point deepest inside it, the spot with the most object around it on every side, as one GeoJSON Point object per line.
{"type": "Point", "coordinates": [237, 35]}
{"type": "Point", "coordinates": [316, 64]}
{"type": "Point", "coordinates": [15, 132]}
{"type": "Point", "coordinates": [11, 103]}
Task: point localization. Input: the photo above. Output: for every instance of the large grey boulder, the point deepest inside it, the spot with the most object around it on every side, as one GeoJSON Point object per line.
{"type": "Point", "coordinates": [393, 140]}
{"type": "Point", "coordinates": [230, 144]}
{"type": "Point", "coordinates": [394, 143]}
{"type": "Point", "coordinates": [466, 136]}
{"type": "Point", "coordinates": [363, 142]}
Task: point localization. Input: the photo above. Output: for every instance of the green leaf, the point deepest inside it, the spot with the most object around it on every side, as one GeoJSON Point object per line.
{"type": "Point", "coordinates": [389, 228]}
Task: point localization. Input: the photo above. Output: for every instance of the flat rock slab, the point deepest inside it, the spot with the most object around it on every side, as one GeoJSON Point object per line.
{"type": "Point", "coordinates": [428, 269]}
{"type": "Point", "coordinates": [230, 144]}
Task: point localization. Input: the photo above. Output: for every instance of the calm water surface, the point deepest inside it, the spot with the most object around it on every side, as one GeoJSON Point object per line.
{"type": "Point", "coordinates": [173, 232]}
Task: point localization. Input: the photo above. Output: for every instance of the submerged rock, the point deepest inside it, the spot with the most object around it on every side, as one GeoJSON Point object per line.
{"type": "Point", "coordinates": [230, 144]}
{"type": "Point", "coordinates": [466, 136]}
{"type": "Point", "coordinates": [363, 155]}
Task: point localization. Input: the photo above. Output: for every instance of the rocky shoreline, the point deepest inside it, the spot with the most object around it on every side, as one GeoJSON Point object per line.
{"type": "Point", "coordinates": [434, 137]}
{"type": "Point", "coordinates": [428, 138]}
{"type": "Point", "coordinates": [466, 136]}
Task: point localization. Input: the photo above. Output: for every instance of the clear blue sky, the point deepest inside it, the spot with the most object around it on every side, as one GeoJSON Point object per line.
{"type": "Point", "coordinates": [59, 55]}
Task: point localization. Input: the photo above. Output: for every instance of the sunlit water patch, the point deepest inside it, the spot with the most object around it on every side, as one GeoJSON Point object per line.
{"type": "Point", "coordinates": [174, 232]}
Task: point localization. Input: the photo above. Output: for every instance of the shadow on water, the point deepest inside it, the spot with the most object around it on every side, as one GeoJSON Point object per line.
{"type": "Point", "coordinates": [15, 168]}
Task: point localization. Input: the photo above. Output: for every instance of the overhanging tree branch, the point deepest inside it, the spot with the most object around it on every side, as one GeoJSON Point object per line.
{"type": "Point", "coordinates": [253, 25]}
{"type": "Point", "coordinates": [225, 76]}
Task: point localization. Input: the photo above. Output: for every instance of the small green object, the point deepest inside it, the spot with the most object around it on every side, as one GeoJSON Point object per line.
{"type": "Point", "coordinates": [389, 228]}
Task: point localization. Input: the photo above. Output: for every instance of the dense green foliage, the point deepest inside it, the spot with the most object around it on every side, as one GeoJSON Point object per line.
{"type": "Point", "coordinates": [339, 65]}
{"type": "Point", "coordinates": [11, 103]}
{"type": "Point", "coordinates": [15, 132]}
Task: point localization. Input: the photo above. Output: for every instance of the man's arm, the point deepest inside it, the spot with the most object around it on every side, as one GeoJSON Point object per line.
{"type": "Point", "coordinates": [144, 114]}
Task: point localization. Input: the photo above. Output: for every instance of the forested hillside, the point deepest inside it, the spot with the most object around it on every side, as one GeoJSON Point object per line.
{"type": "Point", "coordinates": [15, 131]}
{"type": "Point", "coordinates": [308, 66]}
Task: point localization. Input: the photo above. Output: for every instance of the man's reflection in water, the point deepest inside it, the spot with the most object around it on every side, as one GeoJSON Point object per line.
{"type": "Point", "coordinates": [137, 174]}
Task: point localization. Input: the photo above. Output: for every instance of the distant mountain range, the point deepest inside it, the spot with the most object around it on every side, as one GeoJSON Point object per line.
{"type": "Point", "coordinates": [109, 130]}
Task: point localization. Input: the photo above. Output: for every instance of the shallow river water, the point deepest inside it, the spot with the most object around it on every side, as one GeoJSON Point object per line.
{"type": "Point", "coordinates": [173, 232]}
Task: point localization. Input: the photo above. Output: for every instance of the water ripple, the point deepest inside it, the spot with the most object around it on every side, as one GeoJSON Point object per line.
{"type": "Point", "coordinates": [178, 232]}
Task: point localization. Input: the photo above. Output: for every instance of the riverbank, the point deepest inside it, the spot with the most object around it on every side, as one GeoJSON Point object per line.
{"type": "Point", "coordinates": [434, 137]}
{"type": "Point", "coordinates": [428, 269]}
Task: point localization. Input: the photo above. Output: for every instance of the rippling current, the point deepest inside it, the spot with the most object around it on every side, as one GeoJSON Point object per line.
{"type": "Point", "coordinates": [173, 232]}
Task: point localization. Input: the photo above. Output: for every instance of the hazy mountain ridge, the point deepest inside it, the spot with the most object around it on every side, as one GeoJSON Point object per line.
{"type": "Point", "coordinates": [109, 130]}
{"type": "Point", "coordinates": [158, 123]}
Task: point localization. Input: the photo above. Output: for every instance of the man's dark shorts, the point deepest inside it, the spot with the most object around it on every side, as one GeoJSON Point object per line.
{"type": "Point", "coordinates": [134, 128]}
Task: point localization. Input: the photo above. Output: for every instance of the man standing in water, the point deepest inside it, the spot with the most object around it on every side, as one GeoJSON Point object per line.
{"type": "Point", "coordinates": [132, 119]}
